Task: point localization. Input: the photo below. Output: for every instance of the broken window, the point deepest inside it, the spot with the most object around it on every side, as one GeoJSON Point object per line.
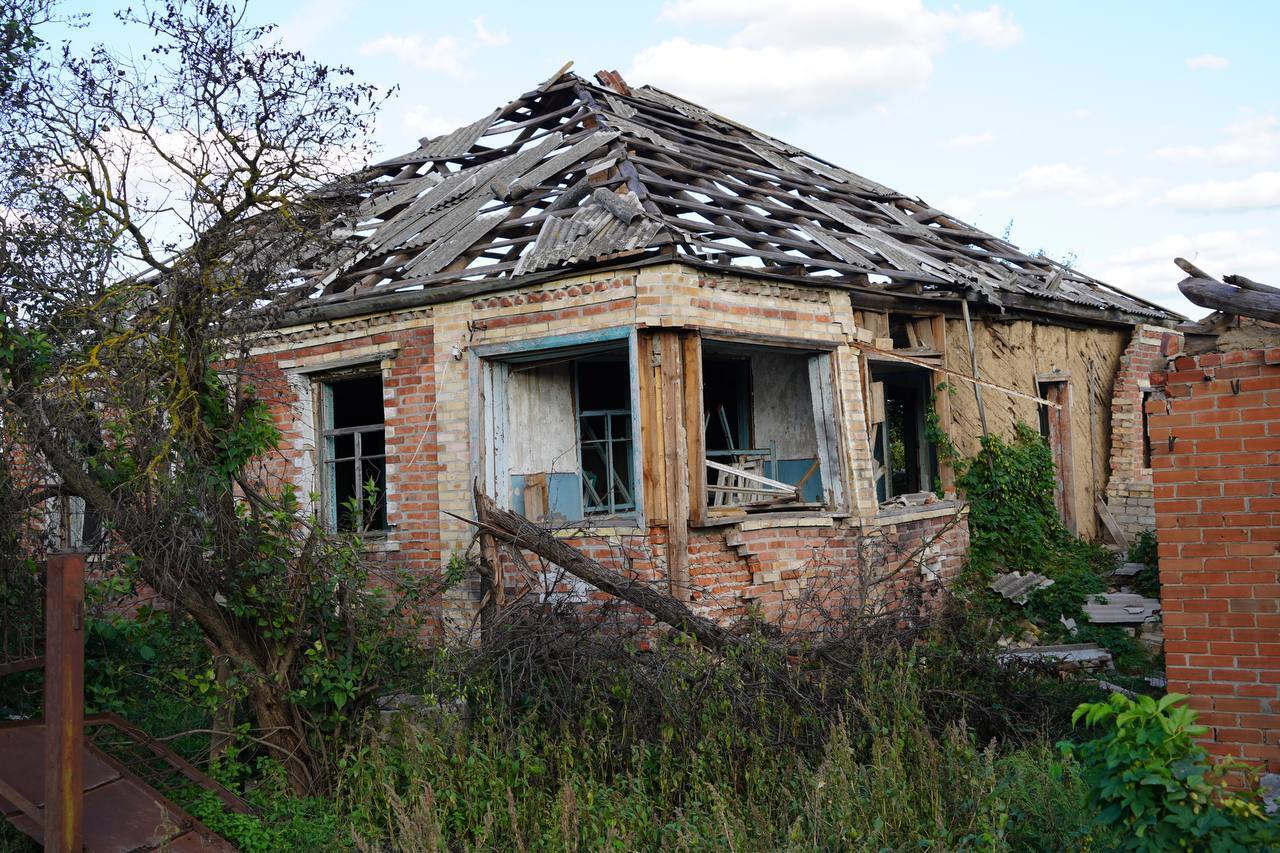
{"type": "Point", "coordinates": [604, 435]}
{"type": "Point", "coordinates": [353, 454]}
{"type": "Point", "coordinates": [763, 436]}
{"type": "Point", "coordinates": [73, 523]}
{"type": "Point", "coordinates": [905, 461]}
{"type": "Point", "coordinates": [562, 426]}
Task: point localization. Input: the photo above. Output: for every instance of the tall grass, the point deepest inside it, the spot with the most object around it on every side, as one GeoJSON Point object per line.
{"type": "Point", "coordinates": [880, 776]}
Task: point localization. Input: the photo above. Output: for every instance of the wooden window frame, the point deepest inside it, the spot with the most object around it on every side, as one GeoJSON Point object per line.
{"type": "Point", "coordinates": [326, 437]}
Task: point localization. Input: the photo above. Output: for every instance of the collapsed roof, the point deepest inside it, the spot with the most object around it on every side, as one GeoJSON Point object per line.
{"type": "Point", "coordinates": [574, 174]}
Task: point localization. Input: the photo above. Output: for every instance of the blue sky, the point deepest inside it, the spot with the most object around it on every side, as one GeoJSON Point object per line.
{"type": "Point", "coordinates": [1122, 134]}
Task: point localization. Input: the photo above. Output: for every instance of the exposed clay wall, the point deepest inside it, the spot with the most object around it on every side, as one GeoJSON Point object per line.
{"type": "Point", "coordinates": [1012, 354]}
{"type": "Point", "coordinates": [1215, 441]}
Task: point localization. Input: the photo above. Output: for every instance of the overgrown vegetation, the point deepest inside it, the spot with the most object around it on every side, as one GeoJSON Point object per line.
{"type": "Point", "coordinates": [1151, 788]}
{"type": "Point", "coordinates": [1014, 525]}
{"type": "Point", "coordinates": [1145, 550]}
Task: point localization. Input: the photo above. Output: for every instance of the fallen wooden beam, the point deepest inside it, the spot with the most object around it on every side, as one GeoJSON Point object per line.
{"type": "Point", "coordinates": [522, 533]}
{"type": "Point", "coordinates": [1229, 299]}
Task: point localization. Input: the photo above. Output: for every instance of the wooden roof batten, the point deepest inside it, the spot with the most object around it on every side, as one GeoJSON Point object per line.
{"type": "Point", "coordinates": [574, 175]}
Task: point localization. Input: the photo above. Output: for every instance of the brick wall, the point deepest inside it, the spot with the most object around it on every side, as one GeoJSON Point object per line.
{"type": "Point", "coordinates": [1130, 489]}
{"type": "Point", "coordinates": [402, 347]}
{"type": "Point", "coordinates": [772, 566]}
{"type": "Point", "coordinates": [1216, 460]}
{"type": "Point", "coordinates": [792, 571]}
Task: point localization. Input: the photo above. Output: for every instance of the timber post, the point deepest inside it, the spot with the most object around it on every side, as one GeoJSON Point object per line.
{"type": "Point", "coordinates": [64, 704]}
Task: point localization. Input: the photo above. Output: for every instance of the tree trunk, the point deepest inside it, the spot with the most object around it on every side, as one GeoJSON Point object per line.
{"type": "Point", "coordinates": [525, 534]}
{"type": "Point", "coordinates": [280, 733]}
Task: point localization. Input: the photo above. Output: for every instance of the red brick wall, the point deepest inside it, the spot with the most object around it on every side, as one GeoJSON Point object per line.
{"type": "Point", "coordinates": [1216, 462]}
{"type": "Point", "coordinates": [409, 401]}
{"type": "Point", "coordinates": [793, 575]}
{"type": "Point", "coordinates": [1129, 486]}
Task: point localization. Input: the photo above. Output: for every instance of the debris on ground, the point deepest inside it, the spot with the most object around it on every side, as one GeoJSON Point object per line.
{"type": "Point", "coordinates": [1017, 586]}
{"type": "Point", "coordinates": [1120, 608]}
{"type": "Point", "coordinates": [1067, 658]}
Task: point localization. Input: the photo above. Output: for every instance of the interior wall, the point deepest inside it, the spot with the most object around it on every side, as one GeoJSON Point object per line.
{"type": "Point", "coordinates": [783, 404]}
{"type": "Point", "coordinates": [1011, 354]}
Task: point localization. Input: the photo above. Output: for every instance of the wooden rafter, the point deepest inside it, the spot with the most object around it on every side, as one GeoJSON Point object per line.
{"type": "Point", "coordinates": [519, 191]}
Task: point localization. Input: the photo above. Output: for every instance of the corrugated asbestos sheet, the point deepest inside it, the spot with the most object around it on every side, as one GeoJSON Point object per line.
{"type": "Point", "coordinates": [573, 172]}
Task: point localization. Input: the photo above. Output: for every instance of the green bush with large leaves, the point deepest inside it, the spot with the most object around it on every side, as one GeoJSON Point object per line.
{"type": "Point", "coordinates": [1152, 788]}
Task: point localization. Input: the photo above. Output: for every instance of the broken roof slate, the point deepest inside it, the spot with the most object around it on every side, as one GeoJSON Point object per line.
{"type": "Point", "coordinates": [504, 197]}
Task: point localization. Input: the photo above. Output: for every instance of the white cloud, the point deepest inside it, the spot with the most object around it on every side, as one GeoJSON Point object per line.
{"type": "Point", "coordinates": [423, 123]}
{"type": "Point", "coordinates": [782, 55]}
{"type": "Point", "coordinates": [443, 54]}
{"type": "Point", "coordinates": [1080, 113]}
{"type": "Point", "coordinates": [966, 140]}
{"type": "Point", "coordinates": [1069, 180]}
{"type": "Point", "coordinates": [1255, 139]}
{"type": "Point", "coordinates": [306, 28]}
{"type": "Point", "coordinates": [1208, 62]}
{"type": "Point", "coordinates": [487, 37]}
{"type": "Point", "coordinates": [1257, 192]}
{"type": "Point", "coordinates": [1148, 271]}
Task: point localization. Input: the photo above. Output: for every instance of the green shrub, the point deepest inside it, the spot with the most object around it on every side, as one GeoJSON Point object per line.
{"type": "Point", "coordinates": [1145, 550]}
{"type": "Point", "coordinates": [1152, 788]}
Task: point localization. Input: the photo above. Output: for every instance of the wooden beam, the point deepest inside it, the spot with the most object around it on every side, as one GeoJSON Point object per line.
{"type": "Point", "coordinates": [691, 355]}
{"type": "Point", "coordinates": [64, 704]}
{"type": "Point", "coordinates": [1230, 299]}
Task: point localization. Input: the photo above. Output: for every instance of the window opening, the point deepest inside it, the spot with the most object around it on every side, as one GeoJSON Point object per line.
{"type": "Point", "coordinates": [563, 424]}
{"type": "Point", "coordinates": [759, 433]}
{"type": "Point", "coordinates": [604, 436]}
{"type": "Point", "coordinates": [905, 461]}
{"type": "Point", "coordinates": [354, 454]}
{"type": "Point", "coordinates": [1146, 431]}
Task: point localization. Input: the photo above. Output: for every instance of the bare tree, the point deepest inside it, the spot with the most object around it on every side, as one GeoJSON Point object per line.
{"type": "Point", "coordinates": [156, 208]}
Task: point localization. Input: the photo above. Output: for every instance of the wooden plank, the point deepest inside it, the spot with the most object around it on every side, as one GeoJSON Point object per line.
{"type": "Point", "coordinates": [536, 497]}
{"type": "Point", "coordinates": [676, 462]}
{"type": "Point", "coordinates": [695, 439]}
{"type": "Point", "coordinates": [826, 420]}
{"type": "Point", "coordinates": [652, 437]}
{"type": "Point", "coordinates": [942, 401]}
{"type": "Point", "coordinates": [1114, 530]}
{"type": "Point", "coordinates": [64, 704]}
{"type": "Point", "coordinates": [775, 485]}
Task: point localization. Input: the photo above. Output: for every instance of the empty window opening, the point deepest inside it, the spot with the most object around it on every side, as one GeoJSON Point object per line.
{"type": "Point", "coordinates": [354, 454]}
{"type": "Point", "coordinates": [760, 427]}
{"type": "Point", "coordinates": [906, 463]}
{"type": "Point", "coordinates": [568, 435]}
{"type": "Point", "coordinates": [913, 333]}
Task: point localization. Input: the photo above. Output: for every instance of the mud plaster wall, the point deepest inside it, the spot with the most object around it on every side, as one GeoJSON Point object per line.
{"type": "Point", "coordinates": [1012, 354]}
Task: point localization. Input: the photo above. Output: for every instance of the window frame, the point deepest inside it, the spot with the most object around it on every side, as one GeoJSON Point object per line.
{"type": "Point", "coordinates": [827, 417]}
{"type": "Point", "coordinates": [326, 436]}
{"type": "Point", "coordinates": [490, 365]}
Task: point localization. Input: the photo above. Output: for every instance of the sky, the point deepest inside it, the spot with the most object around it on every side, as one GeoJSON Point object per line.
{"type": "Point", "coordinates": [1112, 135]}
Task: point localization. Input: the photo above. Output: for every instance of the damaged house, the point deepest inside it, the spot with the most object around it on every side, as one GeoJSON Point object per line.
{"type": "Point", "coordinates": [706, 357]}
